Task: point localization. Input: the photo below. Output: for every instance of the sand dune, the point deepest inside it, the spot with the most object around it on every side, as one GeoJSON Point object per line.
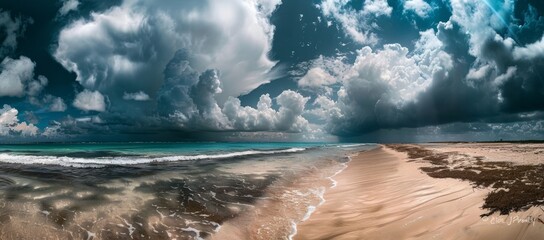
{"type": "Point", "coordinates": [382, 196]}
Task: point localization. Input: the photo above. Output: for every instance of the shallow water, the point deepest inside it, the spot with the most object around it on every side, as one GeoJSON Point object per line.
{"type": "Point", "coordinates": [163, 191]}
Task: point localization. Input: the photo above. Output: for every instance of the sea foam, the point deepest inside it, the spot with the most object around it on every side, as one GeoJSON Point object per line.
{"type": "Point", "coordinates": [105, 161]}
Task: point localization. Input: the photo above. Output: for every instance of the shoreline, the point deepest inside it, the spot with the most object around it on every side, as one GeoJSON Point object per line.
{"type": "Point", "coordinates": [312, 208]}
{"type": "Point", "coordinates": [286, 203]}
{"type": "Point", "coordinates": [382, 194]}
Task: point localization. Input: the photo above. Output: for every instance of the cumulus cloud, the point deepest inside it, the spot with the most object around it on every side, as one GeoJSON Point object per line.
{"type": "Point", "coordinates": [265, 118]}
{"type": "Point", "coordinates": [377, 85]}
{"type": "Point", "coordinates": [17, 78]}
{"type": "Point", "coordinates": [291, 107]}
{"type": "Point", "coordinates": [531, 51]}
{"type": "Point", "coordinates": [192, 59]}
{"type": "Point", "coordinates": [10, 125]}
{"type": "Point", "coordinates": [90, 101]}
{"type": "Point", "coordinates": [166, 65]}
{"type": "Point", "coordinates": [393, 88]}
{"type": "Point", "coordinates": [187, 104]}
{"type": "Point", "coordinates": [188, 99]}
{"type": "Point", "coordinates": [203, 95]}
{"type": "Point", "coordinates": [136, 96]}
{"type": "Point", "coordinates": [321, 75]}
{"type": "Point", "coordinates": [15, 73]}
{"type": "Point", "coordinates": [469, 69]}
{"type": "Point", "coordinates": [35, 87]}
{"type": "Point", "coordinates": [496, 48]}
{"type": "Point", "coordinates": [125, 48]}
{"type": "Point", "coordinates": [316, 77]}
{"type": "Point", "coordinates": [67, 6]}
{"type": "Point", "coordinates": [56, 104]}
{"type": "Point", "coordinates": [188, 95]}
{"type": "Point", "coordinates": [419, 7]}
{"type": "Point", "coordinates": [377, 8]}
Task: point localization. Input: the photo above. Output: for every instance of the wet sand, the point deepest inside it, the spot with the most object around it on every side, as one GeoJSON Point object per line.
{"type": "Point", "coordinates": [384, 195]}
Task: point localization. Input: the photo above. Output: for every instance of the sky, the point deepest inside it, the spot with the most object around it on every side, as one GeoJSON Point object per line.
{"type": "Point", "coordinates": [271, 70]}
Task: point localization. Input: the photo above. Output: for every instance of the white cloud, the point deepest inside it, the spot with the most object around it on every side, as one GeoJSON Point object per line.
{"type": "Point", "coordinates": [10, 125]}
{"type": "Point", "coordinates": [90, 101]}
{"type": "Point", "coordinates": [247, 118]}
{"type": "Point", "coordinates": [499, 80]}
{"type": "Point", "coordinates": [136, 96]}
{"type": "Point", "coordinates": [264, 118]}
{"type": "Point", "coordinates": [25, 129]}
{"type": "Point", "coordinates": [188, 100]}
{"type": "Point", "coordinates": [432, 61]}
{"type": "Point", "coordinates": [358, 24]}
{"type": "Point", "coordinates": [67, 6]}
{"type": "Point", "coordinates": [325, 108]}
{"type": "Point", "coordinates": [316, 77]}
{"type": "Point", "coordinates": [291, 108]}
{"type": "Point", "coordinates": [419, 7]}
{"type": "Point", "coordinates": [57, 105]}
{"type": "Point", "coordinates": [348, 19]}
{"type": "Point", "coordinates": [401, 75]}
{"type": "Point", "coordinates": [377, 8]}
{"type": "Point", "coordinates": [480, 73]}
{"type": "Point", "coordinates": [15, 75]}
{"type": "Point", "coordinates": [530, 51]}
{"type": "Point", "coordinates": [8, 118]}
{"type": "Point", "coordinates": [35, 87]}
{"type": "Point", "coordinates": [481, 22]}
{"type": "Point", "coordinates": [93, 119]}
{"type": "Point", "coordinates": [52, 131]}
{"type": "Point", "coordinates": [499, 58]}
{"type": "Point", "coordinates": [220, 51]}
{"type": "Point", "coordinates": [380, 83]}
{"type": "Point", "coordinates": [322, 71]}
{"type": "Point", "coordinates": [267, 6]}
{"type": "Point", "coordinates": [127, 47]}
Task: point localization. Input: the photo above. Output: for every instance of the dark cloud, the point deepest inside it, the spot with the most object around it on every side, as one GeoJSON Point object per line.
{"type": "Point", "coordinates": [360, 70]}
{"type": "Point", "coordinates": [11, 28]}
{"type": "Point", "coordinates": [30, 117]}
{"type": "Point", "coordinates": [125, 48]}
{"type": "Point", "coordinates": [471, 73]}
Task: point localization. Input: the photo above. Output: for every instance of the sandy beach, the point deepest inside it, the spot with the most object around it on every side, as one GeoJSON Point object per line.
{"type": "Point", "coordinates": [384, 194]}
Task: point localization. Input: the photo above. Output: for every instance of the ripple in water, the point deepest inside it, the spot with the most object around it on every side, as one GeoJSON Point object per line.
{"type": "Point", "coordinates": [257, 196]}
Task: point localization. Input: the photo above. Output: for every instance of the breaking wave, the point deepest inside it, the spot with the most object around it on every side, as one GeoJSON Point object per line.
{"type": "Point", "coordinates": [97, 162]}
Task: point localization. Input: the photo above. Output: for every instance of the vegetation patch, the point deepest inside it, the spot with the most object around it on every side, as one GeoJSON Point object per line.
{"type": "Point", "coordinates": [514, 187]}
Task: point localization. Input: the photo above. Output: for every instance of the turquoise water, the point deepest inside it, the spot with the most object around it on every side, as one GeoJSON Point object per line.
{"type": "Point", "coordinates": [106, 154]}
{"type": "Point", "coordinates": [163, 190]}
{"type": "Point", "coordinates": [152, 148]}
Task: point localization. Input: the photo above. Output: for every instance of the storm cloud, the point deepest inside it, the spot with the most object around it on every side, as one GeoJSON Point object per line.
{"type": "Point", "coordinates": [125, 48]}
{"type": "Point", "coordinates": [466, 70]}
{"type": "Point", "coordinates": [331, 69]}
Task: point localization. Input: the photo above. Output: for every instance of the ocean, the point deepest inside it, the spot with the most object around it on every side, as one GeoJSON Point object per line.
{"type": "Point", "coordinates": [164, 190]}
